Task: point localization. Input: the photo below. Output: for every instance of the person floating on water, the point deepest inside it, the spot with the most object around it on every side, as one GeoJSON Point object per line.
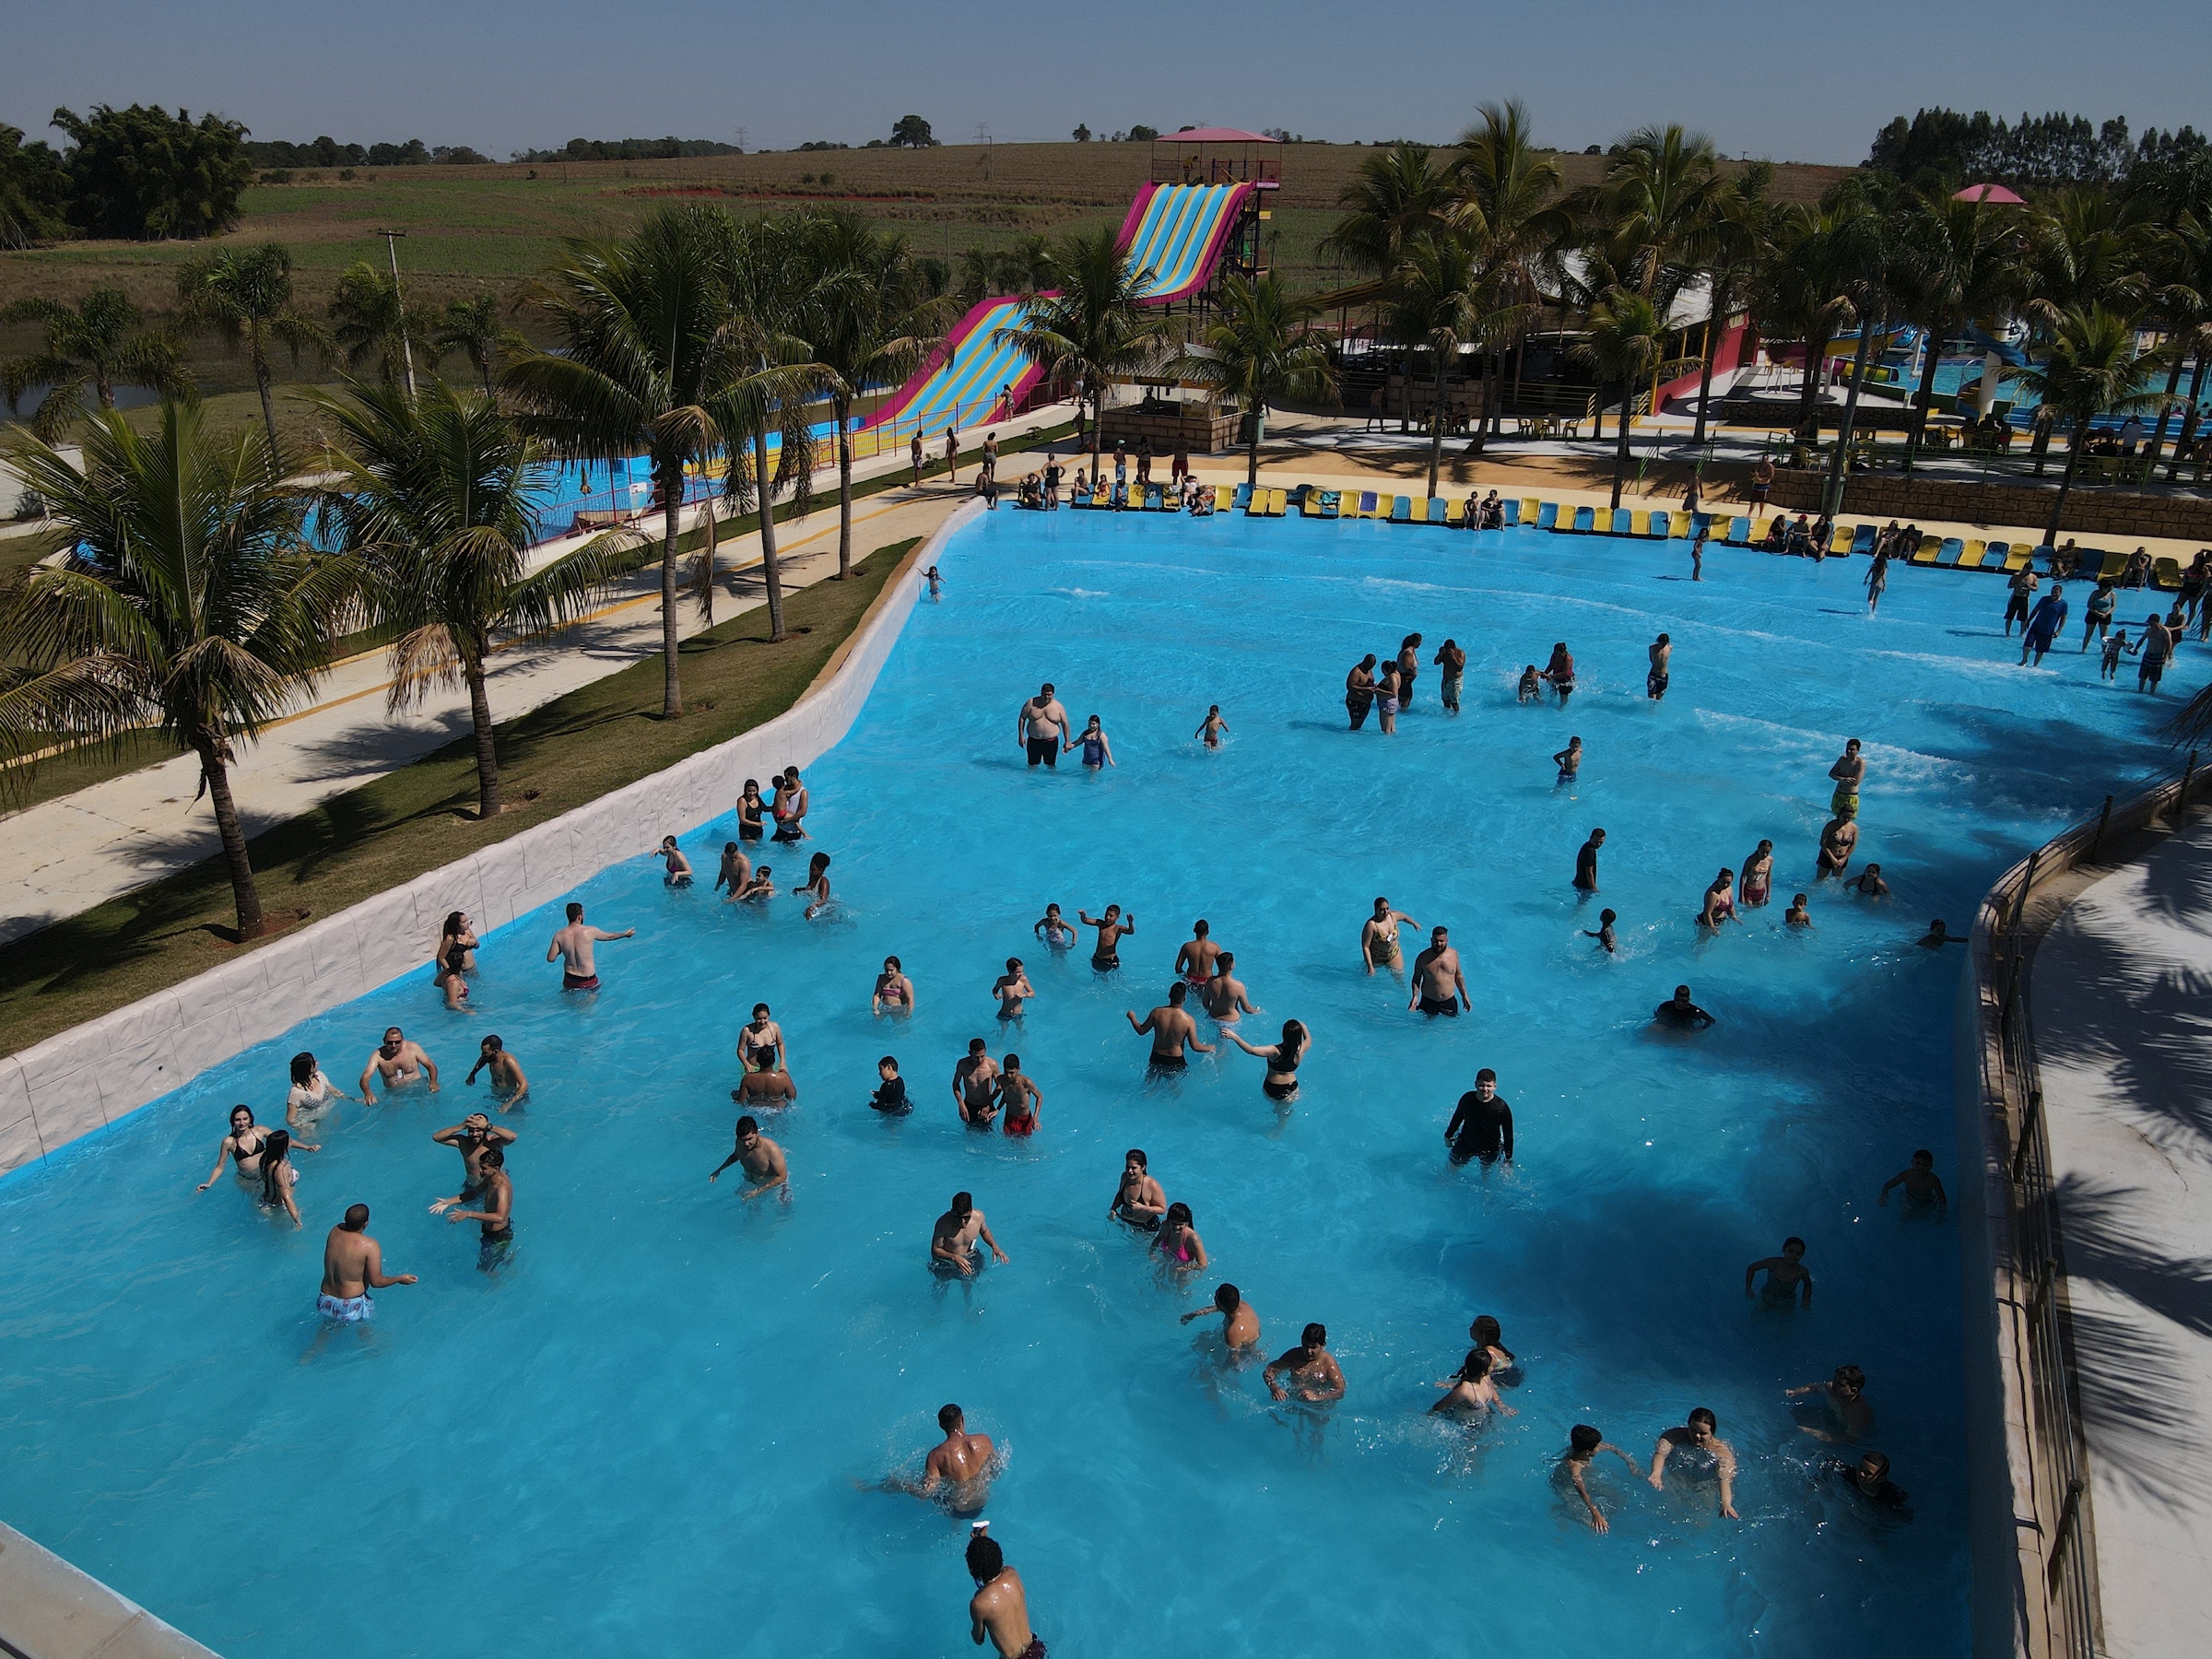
{"type": "Point", "coordinates": [1000, 1607]}
{"type": "Point", "coordinates": [889, 1094]}
{"type": "Point", "coordinates": [1583, 1444]}
{"type": "Point", "coordinates": [1172, 1031]}
{"type": "Point", "coordinates": [572, 945]}
{"type": "Point", "coordinates": [1937, 937]}
{"type": "Point", "coordinates": [1787, 1280]}
{"type": "Point", "coordinates": [1212, 726]}
{"type": "Point", "coordinates": [953, 1239]}
{"type": "Point", "coordinates": [1311, 1367]}
{"type": "Point", "coordinates": [1698, 1447]}
{"type": "Point", "coordinates": [1105, 955]}
{"type": "Point", "coordinates": [1680, 1012]}
{"type": "Point", "coordinates": [353, 1264]}
{"type": "Point", "coordinates": [763, 1162]}
{"type": "Point", "coordinates": [1240, 1318]}
{"type": "Point", "coordinates": [1869, 1478]}
{"type": "Point", "coordinates": [1923, 1187]}
{"type": "Point", "coordinates": [1438, 986]}
{"type": "Point", "coordinates": [1379, 936]}
{"type": "Point", "coordinates": [398, 1061]}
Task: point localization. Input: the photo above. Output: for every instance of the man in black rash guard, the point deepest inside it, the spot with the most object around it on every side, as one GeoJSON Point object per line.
{"type": "Point", "coordinates": [1680, 1012]}
{"type": "Point", "coordinates": [1483, 1126]}
{"type": "Point", "coordinates": [1585, 862]}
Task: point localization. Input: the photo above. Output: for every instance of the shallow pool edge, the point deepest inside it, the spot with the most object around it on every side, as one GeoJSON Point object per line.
{"type": "Point", "coordinates": [85, 1077]}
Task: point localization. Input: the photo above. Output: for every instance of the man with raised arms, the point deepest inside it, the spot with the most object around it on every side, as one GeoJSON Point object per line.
{"type": "Point", "coordinates": [472, 1137]}
{"type": "Point", "coordinates": [1000, 1607]}
{"type": "Point", "coordinates": [1106, 954]}
{"type": "Point", "coordinates": [1172, 1031]}
{"type": "Point", "coordinates": [762, 1160]}
{"type": "Point", "coordinates": [398, 1061]}
{"type": "Point", "coordinates": [953, 1239]}
{"type": "Point", "coordinates": [353, 1264]}
{"type": "Point", "coordinates": [1379, 936]}
{"type": "Point", "coordinates": [572, 945]}
{"type": "Point", "coordinates": [1439, 987]}
{"type": "Point", "coordinates": [1042, 727]}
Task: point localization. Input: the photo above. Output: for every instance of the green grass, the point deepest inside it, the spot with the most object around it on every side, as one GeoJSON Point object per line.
{"type": "Point", "coordinates": [574, 750]}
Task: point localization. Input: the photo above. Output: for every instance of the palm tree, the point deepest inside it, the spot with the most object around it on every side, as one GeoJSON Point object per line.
{"type": "Point", "coordinates": [1960, 263]}
{"type": "Point", "coordinates": [95, 345]}
{"type": "Point", "coordinates": [1653, 203]}
{"type": "Point", "coordinates": [473, 329]}
{"type": "Point", "coordinates": [433, 497]}
{"type": "Point", "coordinates": [2182, 264]}
{"type": "Point", "coordinates": [875, 323]}
{"type": "Point", "coordinates": [1441, 298]}
{"type": "Point", "coordinates": [1730, 240]}
{"type": "Point", "coordinates": [1508, 208]}
{"type": "Point", "coordinates": [2087, 248]}
{"type": "Point", "coordinates": [1865, 263]}
{"type": "Point", "coordinates": [1096, 326]}
{"type": "Point", "coordinates": [1258, 351]}
{"type": "Point", "coordinates": [647, 352]}
{"type": "Point", "coordinates": [1624, 339]}
{"type": "Point", "coordinates": [1798, 290]}
{"type": "Point", "coordinates": [243, 297]}
{"type": "Point", "coordinates": [187, 604]}
{"type": "Point", "coordinates": [1400, 193]}
{"type": "Point", "coordinates": [372, 323]}
{"type": "Point", "coordinates": [2091, 370]}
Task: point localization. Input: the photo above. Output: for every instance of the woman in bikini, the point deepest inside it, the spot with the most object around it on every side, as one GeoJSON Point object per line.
{"type": "Point", "coordinates": [1178, 1241]}
{"type": "Point", "coordinates": [1409, 668]}
{"type": "Point", "coordinates": [1386, 697]}
{"type": "Point", "coordinates": [1138, 1199]}
{"type": "Point", "coordinates": [449, 976]}
{"type": "Point", "coordinates": [1719, 902]}
{"type": "Point", "coordinates": [749, 827]}
{"type": "Point", "coordinates": [1758, 877]}
{"type": "Point", "coordinates": [457, 931]}
{"type": "Point", "coordinates": [243, 1143]}
{"type": "Point", "coordinates": [1280, 1084]}
{"type": "Point", "coordinates": [894, 990]}
{"type": "Point", "coordinates": [279, 1175]}
{"type": "Point", "coordinates": [1470, 1391]}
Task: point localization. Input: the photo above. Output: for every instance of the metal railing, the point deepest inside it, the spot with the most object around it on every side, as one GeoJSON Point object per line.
{"type": "Point", "coordinates": [2057, 1477]}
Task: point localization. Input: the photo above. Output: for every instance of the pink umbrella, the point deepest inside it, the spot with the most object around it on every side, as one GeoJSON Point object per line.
{"type": "Point", "coordinates": [1995, 194]}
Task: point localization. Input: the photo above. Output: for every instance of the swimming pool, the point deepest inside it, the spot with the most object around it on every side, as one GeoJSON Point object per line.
{"type": "Point", "coordinates": [644, 1430]}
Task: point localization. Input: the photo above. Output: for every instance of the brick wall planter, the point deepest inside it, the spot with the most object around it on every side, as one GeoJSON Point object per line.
{"type": "Point", "coordinates": [2091, 511]}
{"type": "Point", "coordinates": [1198, 428]}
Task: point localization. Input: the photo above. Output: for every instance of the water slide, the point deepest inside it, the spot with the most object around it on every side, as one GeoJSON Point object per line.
{"type": "Point", "coordinates": [1176, 232]}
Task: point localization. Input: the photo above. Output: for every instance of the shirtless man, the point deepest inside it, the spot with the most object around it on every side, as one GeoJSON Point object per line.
{"type": "Point", "coordinates": [1012, 988]}
{"type": "Point", "coordinates": [952, 1240]}
{"type": "Point", "coordinates": [1786, 1278]}
{"type": "Point", "coordinates": [1846, 1395]}
{"type": "Point", "coordinates": [1106, 954]}
{"type": "Point", "coordinates": [1225, 997]}
{"type": "Point", "coordinates": [1850, 772]}
{"type": "Point", "coordinates": [959, 1465]}
{"type": "Point", "coordinates": [572, 945]}
{"type": "Point", "coordinates": [1662, 654]}
{"type": "Point", "coordinates": [763, 1161]}
{"type": "Point", "coordinates": [1583, 1444]}
{"type": "Point", "coordinates": [1439, 987]}
{"type": "Point", "coordinates": [770, 1090]}
{"type": "Point", "coordinates": [509, 1083]}
{"type": "Point", "coordinates": [353, 1264]}
{"type": "Point", "coordinates": [975, 1085]}
{"type": "Point", "coordinates": [1172, 1031]}
{"type": "Point", "coordinates": [1042, 728]}
{"type": "Point", "coordinates": [472, 1137]}
{"type": "Point", "coordinates": [1701, 1448]}
{"type": "Point", "coordinates": [497, 1218]}
{"type": "Point", "coordinates": [1138, 1199]}
{"type": "Point", "coordinates": [1311, 1368]}
{"type": "Point", "coordinates": [1359, 690]}
{"type": "Point", "coordinates": [1194, 961]}
{"type": "Point", "coordinates": [1240, 1318]}
{"type": "Point", "coordinates": [1719, 902]}
{"type": "Point", "coordinates": [398, 1061]}
{"type": "Point", "coordinates": [1837, 837]}
{"type": "Point", "coordinates": [1453, 659]}
{"type": "Point", "coordinates": [1379, 936]}
{"type": "Point", "coordinates": [761, 1045]}
{"type": "Point", "coordinates": [1000, 1607]}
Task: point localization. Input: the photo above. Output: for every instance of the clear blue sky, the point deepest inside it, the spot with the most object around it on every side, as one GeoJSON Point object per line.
{"type": "Point", "coordinates": [1783, 78]}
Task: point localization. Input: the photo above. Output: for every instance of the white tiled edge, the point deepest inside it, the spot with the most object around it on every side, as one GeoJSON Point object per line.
{"type": "Point", "coordinates": [90, 1074]}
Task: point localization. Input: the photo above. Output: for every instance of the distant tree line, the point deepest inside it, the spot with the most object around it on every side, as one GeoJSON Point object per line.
{"type": "Point", "coordinates": [2039, 152]}
{"type": "Point", "coordinates": [630, 149]}
{"type": "Point", "coordinates": [328, 152]}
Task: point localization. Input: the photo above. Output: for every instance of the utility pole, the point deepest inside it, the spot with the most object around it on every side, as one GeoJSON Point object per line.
{"type": "Point", "coordinates": [741, 132]}
{"type": "Point", "coordinates": [983, 137]}
{"type": "Point", "coordinates": [400, 300]}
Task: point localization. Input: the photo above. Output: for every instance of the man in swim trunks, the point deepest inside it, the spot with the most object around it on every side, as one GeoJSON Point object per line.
{"type": "Point", "coordinates": [1105, 956]}
{"type": "Point", "coordinates": [1224, 995]}
{"type": "Point", "coordinates": [770, 1090]}
{"type": "Point", "coordinates": [1560, 671]}
{"type": "Point", "coordinates": [1379, 936]}
{"type": "Point", "coordinates": [952, 1240]}
{"type": "Point", "coordinates": [1662, 654]}
{"type": "Point", "coordinates": [1482, 1126]}
{"type": "Point", "coordinates": [761, 1045]}
{"type": "Point", "coordinates": [472, 1137]}
{"type": "Point", "coordinates": [1172, 1031]}
{"type": "Point", "coordinates": [2157, 646]}
{"type": "Point", "coordinates": [1923, 1187]}
{"type": "Point", "coordinates": [1409, 668]}
{"type": "Point", "coordinates": [1240, 1318]}
{"type": "Point", "coordinates": [1585, 864]}
{"type": "Point", "coordinates": [353, 1264]}
{"type": "Point", "coordinates": [975, 1085]}
{"type": "Point", "coordinates": [1786, 1277]}
{"type": "Point", "coordinates": [1453, 661]}
{"type": "Point", "coordinates": [497, 1218]}
{"type": "Point", "coordinates": [1012, 988]}
{"type": "Point", "coordinates": [1000, 1607]}
{"type": "Point", "coordinates": [574, 946]}
{"type": "Point", "coordinates": [1194, 961]}
{"type": "Point", "coordinates": [1758, 877]}
{"type": "Point", "coordinates": [1359, 690]}
{"type": "Point", "coordinates": [399, 1060]}
{"type": "Point", "coordinates": [1138, 1199]}
{"type": "Point", "coordinates": [1042, 727]}
{"type": "Point", "coordinates": [763, 1161]}
{"type": "Point", "coordinates": [1837, 837]}
{"type": "Point", "coordinates": [1845, 1393]}
{"type": "Point", "coordinates": [1701, 1449]}
{"type": "Point", "coordinates": [1849, 771]}
{"type": "Point", "coordinates": [959, 1466]}
{"type": "Point", "coordinates": [1439, 987]}
{"type": "Point", "coordinates": [2021, 589]}
{"type": "Point", "coordinates": [1311, 1367]}
{"type": "Point", "coordinates": [1681, 1011]}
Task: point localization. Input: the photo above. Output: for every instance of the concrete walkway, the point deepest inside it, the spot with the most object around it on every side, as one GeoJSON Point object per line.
{"type": "Point", "coordinates": [2121, 1023]}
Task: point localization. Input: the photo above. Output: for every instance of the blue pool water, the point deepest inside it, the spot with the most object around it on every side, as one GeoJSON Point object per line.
{"type": "Point", "coordinates": [650, 1430]}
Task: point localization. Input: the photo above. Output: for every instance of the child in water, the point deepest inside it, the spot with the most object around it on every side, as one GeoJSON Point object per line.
{"type": "Point", "coordinates": [1787, 1280]}
{"type": "Point", "coordinates": [1470, 1389]}
{"type": "Point", "coordinates": [1604, 936]}
{"type": "Point", "coordinates": [1212, 726]}
{"type": "Point", "coordinates": [1923, 1187]}
{"type": "Point", "coordinates": [1568, 760]}
{"type": "Point", "coordinates": [1532, 684]}
{"type": "Point", "coordinates": [1797, 916]}
{"type": "Point", "coordinates": [890, 1094]}
{"type": "Point", "coordinates": [1583, 1444]}
{"type": "Point", "coordinates": [1054, 930]}
{"type": "Point", "coordinates": [2116, 646]}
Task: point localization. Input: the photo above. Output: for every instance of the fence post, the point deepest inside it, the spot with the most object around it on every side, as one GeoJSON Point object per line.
{"type": "Point", "coordinates": [2097, 841]}
{"type": "Point", "coordinates": [2067, 1519]}
{"type": "Point", "coordinates": [2181, 795]}
{"type": "Point", "coordinates": [2030, 1119]}
{"type": "Point", "coordinates": [2020, 902]}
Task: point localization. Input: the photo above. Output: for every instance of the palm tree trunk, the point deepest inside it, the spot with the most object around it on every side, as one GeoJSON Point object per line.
{"type": "Point", "coordinates": [1927, 395]}
{"type": "Point", "coordinates": [2157, 436]}
{"type": "Point", "coordinates": [844, 408]}
{"type": "Point", "coordinates": [213, 772]}
{"type": "Point", "coordinates": [1436, 428]}
{"type": "Point", "coordinates": [2196, 390]}
{"type": "Point", "coordinates": [268, 410]}
{"type": "Point", "coordinates": [1097, 429]}
{"type": "Point", "coordinates": [488, 753]}
{"type": "Point", "coordinates": [1259, 435]}
{"type": "Point", "coordinates": [1808, 395]}
{"type": "Point", "coordinates": [1715, 323]}
{"type": "Point", "coordinates": [1851, 413]}
{"type": "Point", "coordinates": [2065, 483]}
{"type": "Point", "coordinates": [671, 489]}
{"type": "Point", "coordinates": [1620, 455]}
{"type": "Point", "coordinates": [763, 493]}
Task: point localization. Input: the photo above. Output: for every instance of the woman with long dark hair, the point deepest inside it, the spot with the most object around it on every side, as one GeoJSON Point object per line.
{"type": "Point", "coordinates": [278, 1175]}
{"type": "Point", "coordinates": [245, 1143]}
{"type": "Point", "coordinates": [1281, 1081]}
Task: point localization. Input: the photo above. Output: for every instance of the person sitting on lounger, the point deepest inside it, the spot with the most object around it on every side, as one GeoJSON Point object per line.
{"type": "Point", "coordinates": [1778, 536]}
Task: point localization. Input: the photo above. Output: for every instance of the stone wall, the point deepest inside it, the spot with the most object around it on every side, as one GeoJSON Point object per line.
{"type": "Point", "coordinates": [2111, 513]}
{"type": "Point", "coordinates": [72, 1084]}
{"type": "Point", "coordinates": [1203, 430]}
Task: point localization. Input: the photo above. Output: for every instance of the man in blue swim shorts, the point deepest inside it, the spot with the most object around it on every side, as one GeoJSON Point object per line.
{"type": "Point", "coordinates": [353, 1264]}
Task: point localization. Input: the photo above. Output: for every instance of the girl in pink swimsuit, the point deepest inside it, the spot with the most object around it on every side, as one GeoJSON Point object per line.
{"type": "Point", "coordinates": [1179, 1240]}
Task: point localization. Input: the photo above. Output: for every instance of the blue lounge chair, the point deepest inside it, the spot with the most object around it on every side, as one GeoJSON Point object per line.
{"type": "Point", "coordinates": [1332, 503]}
{"type": "Point", "coordinates": [1438, 508]}
{"type": "Point", "coordinates": [1547, 516]}
{"type": "Point", "coordinates": [1701, 524]}
{"type": "Point", "coordinates": [1995, 557]}
{"type": "Point", "coordinates": [1241, 499]}
{"type": "Point", "coordinates": [1585, 520]}
{"type": "Point", "coordinates": [1739, 531]}
{"type": "Point", "coordinates": [1367, 504]}
{"type": "Point", "coordinates": [1401, 512]}
{"type": "Point", "coordinates": [1513, 514]}
{"type": "Point", "coordinates": [1622, 519]}
{"type": "Point", "coordinates": [1949, 553]}
{"type": "Point", "coordinates": [1861, 539]}
{"type": "Point", "coordinates": [1079, 496]}
{"type": "Point", "coordinates": [1154, 496]}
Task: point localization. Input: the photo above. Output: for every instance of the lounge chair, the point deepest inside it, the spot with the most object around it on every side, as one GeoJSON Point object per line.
{"type": "Point", "coordinates": [1970, 557]}
{"type": "Point", "coordinates": [1927, 552]}
{"type": "Point", "coordinates": [1439, 511]}
{"type": "Point", "coordinates": [1532, 511]}
{"type": "Point", "coordinates": [1278, 502]}
{"type": "Point", "coordinates": [1952, 550]}
{"type": "Point", "coordinates": [2165, 573]}
{"type": "Point", "coordinates": [1861, 539]}
{"type": "Point", "coordinates": [1640, 524]}
{"type": "Point", "coordinates": [1332, 503]}
{"type": "Point", "coordinates": [1155, 498]}
{"type": "Point", "coordinates": [1241, 501]}
{"type": "Point", "coordinates": [1547, 515]}
{"type": "Point", "coordinates": [2113, 568]}
{"type": "Point", "coordinates": [1512, 514]}
{"type": "Point", "coordinates": [1761, 531]}
{"type": "Point", "coordinates": [1309, 503]}
{"type": "Point", "coordinates": [1839, 540]}
{"type": "Point", "coordinates": [1366, 508]}
{"type": "Point", "coordinates": [1585, 520]}
{"type": "Point", "coordinates": [1739, 531]}
{"type": "Point", "coordinates": [1401, 510]}
{"type": "Point", "coordinates": [1667, 525]}
{"type": "Point", "coordinates": [1456, 515]}
{"type": "Point", "coordinates": [1996, 554]}
{"type": "Point", "coordinates": [1079, 496]}
{"type": "Point", "coordinates": [2018, 556]}
{"type": "Point", "coordinates": [1621, 518]}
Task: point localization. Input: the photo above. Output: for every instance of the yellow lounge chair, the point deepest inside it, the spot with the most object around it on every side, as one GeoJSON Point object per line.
{"type": "Point", "coordinates": [1839, 542]}
{"type": "Point", "coordinates": [1759, 530]}
{"type": "Point", "coordinates": [2115, 567]}
{"type": "Point", "coordinates": [2165, 573]}
{"type": "Point", "coordinates": [1309, 505]}
{"type": "Point", "coordinates": [1531, 509]}
{"type": "Point", "coordinates": [1455, 515]}
{"type": "Point", "coordinates": [2020, 557]}
{"type": "Point", "coordinates": [1969, 556]}
{"type": "Point", "coordinates": [1677, 525]}
{"type": "Point", "coordinates": [1640, 524]}
{"type": "Point", "coordinates": [1278, 502]}
{"type": "Point", "coordinates": [1925, 554]}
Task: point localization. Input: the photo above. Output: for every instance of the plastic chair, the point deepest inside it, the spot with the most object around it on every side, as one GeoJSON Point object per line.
{"type": "Point", "coordinates": [1438, 510]}
{"type": "Point", "coordinates": [1640, 524]}
{"type": "Point", "coordinates": [1994, 557]}
{"type": "Point", "coordinates": [1532, 510]}
{"type": "Point", "coordinates": [1547, 515]}
{"type": "Point", "coordinates": [1739, 531]}
{"type": "Point", "coordinates": [1622, 517]}
{"type": "Point", "coordinates": [1401, 510]}
{"type": "Point", "coordinates": [1969, 557]}
{"type": "Point", "coordinates": [1861, 539]}
{"type": "Point", "coordinates": [1949, 553]}
{"type": "Point", "coordinates": [1927, 553]}
{"type": "Point", "coordinates": [1332, 503]}
{"type": "Point", "coordinates": [1512, 514]}
{"type": "Point", "coordinates": [1241, 501]}
{"type": "Point", "coordinates": [1585, 520]}
{"type": "Point", "coordinates": [2165, 573]}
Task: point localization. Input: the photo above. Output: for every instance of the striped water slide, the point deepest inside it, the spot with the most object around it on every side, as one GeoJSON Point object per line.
{"type": "Point", "coordinates": [1176, 233]}
{"type": "Point", "coordinates": [961, 387]}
